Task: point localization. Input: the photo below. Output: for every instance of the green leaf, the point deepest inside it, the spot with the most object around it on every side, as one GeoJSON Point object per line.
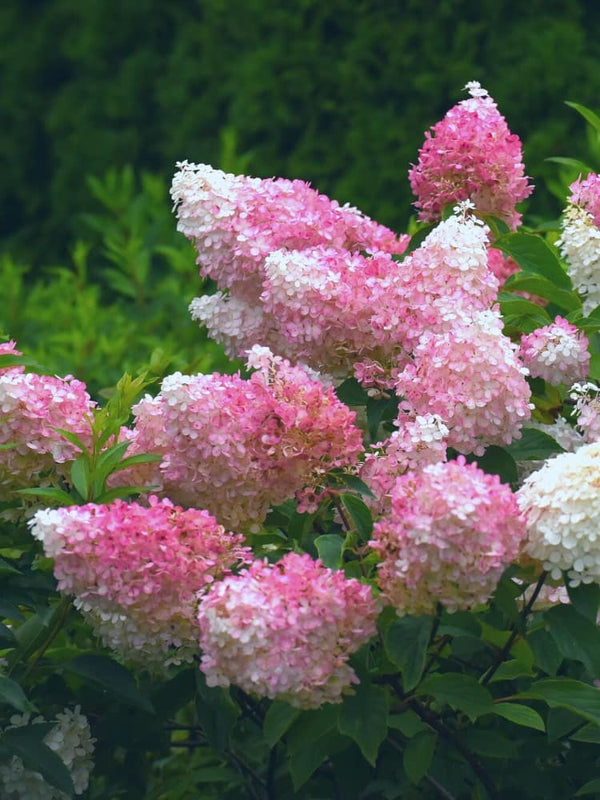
{"type": "Point", "coordinates": [514, 305]}
{"type": "Point", "coordinates": [497, 461]}
{"type": "Point", "coordinates": [575, 636]}
{"type": "Point", "coordinates": [591, 787]}
{"type": "Point", "coordinates": [80, 476]}
{"type": "Point", "coordinates": [585, 599]}
{"type": "Point", "coordinates": [351, 393]}
{"type": "Point", "coordinates": [120, 493]}
{"type": "Point", "coordinates": [363, 717]}
{"type": "Point", "coordinates": [461, 692]}
{"type": "Point", "coordinates": [360, 514]}
{"type": "Point", "coordinates": [6, 568]}
{"type": "Point", "coordinates": [509, 670]}
{"type": "Point", "coordinates": [533, 445]}
{"type": "Point", "coordinates": [277, 721]}
{"type": "Point", "coordinates": [216, 712]}
{"type": "Point", "coordinates": [351, 482]}
{"type": "Point", "coordinates": [379, 411]}
{"type": "Point", "coordinates": [73, 438]}
{"type": "Point", "coordinates": [560, 722]}
{"type": "Point", "coordinates": [589, 733]}
{"type": "Point", "coordinates": [111, 677]}
{"type": "Point", "coordinates": [57, 496]}
{"type": "Point", "coordinates": [534, 254]}
{"type": "Point", "coordinates": [406, 641]}
{"type": "Point", "coordinates": [535, 284]}
{"type": "Point", "coordinates": [12, 694]}
{"type": "Point", "coordinates": [489, 744]}
{"type": "Point", "coordinates": [26, 742]}
{"type": "Point", "coordinates": [309, 740]}
{"type": "Point", "coordinates": [567, 693]}
{"type": "Point", "coordinates": [329, 547]}
{"type": "Point", "coordinates": [520, 715]}
{"type": "Point", "coordinates": [586, 113]}
{"type": "Point", "coordinates": [416, 240]}
{"type": "Point", "coordinates": [408, 723]}
{"type": "Point", "coordinates": [546, 654]}
{"type": "Point", "coordinates": [418, 755]}
{"type": "Point", "coordinates": [574, 163]}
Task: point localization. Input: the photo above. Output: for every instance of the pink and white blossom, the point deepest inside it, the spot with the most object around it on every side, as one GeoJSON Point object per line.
{"type": "Point", "coordinates": [451, 531]}
{"type": "Point", "coordinates": [285, 631]}
{"type": "Point", "coordinates": [471, 154]}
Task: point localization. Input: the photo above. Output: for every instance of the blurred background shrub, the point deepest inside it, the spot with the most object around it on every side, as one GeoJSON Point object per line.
{"type": "Point", "coordinates": [336, 93]}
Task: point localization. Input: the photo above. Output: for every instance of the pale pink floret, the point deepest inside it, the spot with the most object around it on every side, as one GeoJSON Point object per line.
{"type": "Point", "coordinates": [471, 154]}
{"type": "Point", "coordinates": [471, 378]}
{"type": "Point", "coordinates": [285, 631]}
{"type": "Point", "coordinates": [558, 353]}
{"type": "Point", "coordinates": [451, 532]}
{"type": "Point", "coordinates": [585, 193]}
{"type": "Point", "coordinates": [32, 407]}
{"type": "Point", "coordinates": [10, 349]}
{"type": "Point", "coordinates": [237, 446]}
{"type": "Point", "coordinates": [136, 571]}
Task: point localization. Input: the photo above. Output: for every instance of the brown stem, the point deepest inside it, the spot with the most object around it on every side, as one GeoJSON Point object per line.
{"type": "Point", "coordinates": [515, 632]}
{"type": "Point", "coordinates": [438, 726]}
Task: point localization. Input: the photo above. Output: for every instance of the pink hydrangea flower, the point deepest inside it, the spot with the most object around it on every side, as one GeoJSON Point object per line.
{"type": "Point", "coordinates": [285, 631]}
{"type": "Point", "coordinates": [236, 221]}
{"type": "Point", "coordinates": [451, 532]}
{"type": "Point", "coordinates": [419, 441]}
{"type": "Point", "coordinates": [471, 154]}
{"type": "Point", "coordinates": [558, 353]}
{"type": "Point", "coordinates": [136, 571]}
{"type": "Point", "coordinates": [234, 446]}
{"type": "Point", "coordinates": [31, 408]}
{"type": "Point", "coordinates": [471, 378]}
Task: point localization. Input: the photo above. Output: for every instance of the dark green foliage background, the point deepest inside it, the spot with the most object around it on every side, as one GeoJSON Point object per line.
{"type": "Point", "coordinates": [337, 93]}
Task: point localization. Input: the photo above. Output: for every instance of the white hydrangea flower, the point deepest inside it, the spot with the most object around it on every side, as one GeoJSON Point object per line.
{"type": "Point", "coordinates": [72, 742]}
{"type": "Point", "coordinates": [561, 503]}
{"type": "Point", "coordinates": [580, 247]}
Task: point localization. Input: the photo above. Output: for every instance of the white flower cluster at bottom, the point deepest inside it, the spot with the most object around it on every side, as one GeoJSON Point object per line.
{"type": "Point", "coordinates": [72, 742]}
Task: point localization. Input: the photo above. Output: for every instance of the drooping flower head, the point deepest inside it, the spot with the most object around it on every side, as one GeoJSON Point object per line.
{"type": "Point", "coordinates": [136, 571]}
{"type": "Point", "coordinates": [561, 503]}
{"type": "Point", "coordinates": [285, 631]}
{"type": "Point", "coordinates": [471, 154]}
{"type": "Point", "coordinates": [451, 531]}
{"type": "Point", "coordinates": [237, 446]}
{"type": "Point", "coordinates": [558, 353]}
{"type": "Point", "coordinates": [236, 221]}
